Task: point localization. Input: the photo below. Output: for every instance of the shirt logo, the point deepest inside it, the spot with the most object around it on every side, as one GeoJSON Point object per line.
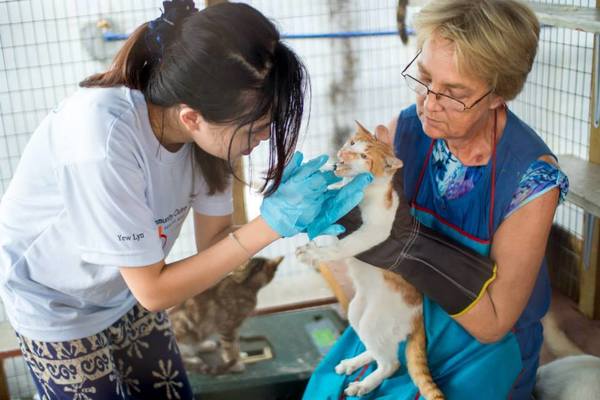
{"type": "Point", "coordinates": [162, 234]}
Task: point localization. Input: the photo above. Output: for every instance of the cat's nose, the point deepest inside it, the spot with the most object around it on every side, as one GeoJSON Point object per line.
{"type": "Point", "coordinates": [335, 166]}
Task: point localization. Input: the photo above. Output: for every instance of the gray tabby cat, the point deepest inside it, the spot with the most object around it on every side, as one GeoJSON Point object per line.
{"type": "Point", "coordinates": [220, 310]}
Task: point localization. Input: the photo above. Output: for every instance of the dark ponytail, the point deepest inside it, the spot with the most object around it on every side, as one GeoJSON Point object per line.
{"type": "Point", "coordinates": [130, 66]}
{"type": "Point", "coordinates": [143, 50]}
{"type": "Point", "coordinates": [225, 61]}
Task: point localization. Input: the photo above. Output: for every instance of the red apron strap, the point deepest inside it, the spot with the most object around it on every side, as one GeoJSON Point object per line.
{"type": "Point", "coordinates": [493, 188]}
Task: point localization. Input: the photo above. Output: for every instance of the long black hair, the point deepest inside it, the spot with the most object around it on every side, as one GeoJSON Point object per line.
{"type": "Point", "coordinates": [228, 63]}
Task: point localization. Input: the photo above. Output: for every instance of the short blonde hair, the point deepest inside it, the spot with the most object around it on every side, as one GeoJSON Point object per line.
{"type": "Point", "coordinates": [496, 40]}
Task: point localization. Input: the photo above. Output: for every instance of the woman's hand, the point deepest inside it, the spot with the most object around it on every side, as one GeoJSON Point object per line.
{"type": "Point", "coordinates": [300, 196]}
{"type": "Point", "coordinates": [338, 203]}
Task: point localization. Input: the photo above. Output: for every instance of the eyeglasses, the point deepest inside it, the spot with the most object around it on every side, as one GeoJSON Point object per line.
{"type": "Point", "coordinates": [447, 102]}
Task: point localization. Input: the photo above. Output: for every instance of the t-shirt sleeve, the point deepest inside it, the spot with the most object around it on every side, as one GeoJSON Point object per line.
{"type": "Point", "coordinates": [217, 204]}
{"type": "Point", "coordinates": [106, 204]}
{"type": "Point", "coordinates": [539, 178]}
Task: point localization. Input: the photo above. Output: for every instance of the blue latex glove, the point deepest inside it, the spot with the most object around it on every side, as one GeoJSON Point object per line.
{"type": "Point", "coordinates": [300, 196]}
{"type": "Point", "coordinates": [338, 203]}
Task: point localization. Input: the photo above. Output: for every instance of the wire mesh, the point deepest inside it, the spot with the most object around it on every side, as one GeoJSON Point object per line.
{"type": "Point", "coordinates": [575, 3]}
{"type": "Point", "coordinates": [47, 46]}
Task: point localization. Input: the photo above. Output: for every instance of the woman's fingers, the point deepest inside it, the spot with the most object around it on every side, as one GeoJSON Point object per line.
{"type": "Point", "coordinates": [309, 168]}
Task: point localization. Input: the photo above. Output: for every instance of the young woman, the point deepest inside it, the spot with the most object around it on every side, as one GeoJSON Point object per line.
{"type": "Point", "coordinates": [109, 176]}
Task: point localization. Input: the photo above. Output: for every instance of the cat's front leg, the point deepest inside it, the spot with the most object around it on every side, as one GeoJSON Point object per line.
{"type": "Point", "coordinates": [311, 254]}
{"type": "Point", "coordinates": [308, 255]}
{"type": "Point", "coordinates": [230, 344]}
{"type": "Point", "coordinates": [350, 246]}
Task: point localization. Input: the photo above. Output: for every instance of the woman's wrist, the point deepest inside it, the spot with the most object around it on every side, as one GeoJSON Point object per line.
{"type": "Point", "coordinates": [255, 235]}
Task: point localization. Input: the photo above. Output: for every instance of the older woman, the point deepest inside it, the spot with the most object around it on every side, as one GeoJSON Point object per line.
{"type": "Point", "coordinates": [480, 176]}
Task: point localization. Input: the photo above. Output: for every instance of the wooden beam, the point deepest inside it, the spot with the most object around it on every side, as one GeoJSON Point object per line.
{"type": "Point", "coordinates": [8, 348]}
{"type": "Point", "coordinates": [240, 217]}
{"type": "Point", "coordinates": [589, 291]}
{"type": "Point", "coordinates": [584, 19]}
{"type": "Point", "coordinates": [301, 305]}
{"type": "Point", "coordinates": [584, 179]}
{"type": "Point", "coordinates": [589, 300]}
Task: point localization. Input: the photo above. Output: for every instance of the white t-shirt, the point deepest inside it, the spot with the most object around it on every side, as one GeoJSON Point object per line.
{"type": "Point", "coordinates": [92, 193]}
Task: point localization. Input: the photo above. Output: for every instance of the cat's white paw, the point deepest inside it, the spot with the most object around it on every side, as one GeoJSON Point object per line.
{"type": "Point", "coordinates": [345, 367]}
{"type": "Point", "coordinates": [359, 389]}
{"type": "Point", "coordinates": [207, 346]}
{"type": "Point", "coordinates": [239, 366]}
{"type": "Point", "coordinates": [194, 360]}
{"type": "Point", "coordinates": [305, 254]}
{"type": "Point", "coordinates": [311, 254]}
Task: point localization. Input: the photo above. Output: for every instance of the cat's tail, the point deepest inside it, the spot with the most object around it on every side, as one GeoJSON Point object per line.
{"type": "Point", "coordinates": [556, 339]}
{"type": "Point", "coordinates": [416, 361]}
{"type": "Point", "coordinates": [401, 20]}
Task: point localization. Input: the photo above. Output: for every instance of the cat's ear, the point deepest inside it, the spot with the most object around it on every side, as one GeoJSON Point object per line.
{"type": "Point", "coordinates": [382, 133]}
{"type": "Point", "coordinates": [393, 163]}
{"type": "Point", "coordinates": [240, 274]}
{"type": "Point", "coordinates": [362, 129]}
{"type": "Point", "coordinates": [274, 262]}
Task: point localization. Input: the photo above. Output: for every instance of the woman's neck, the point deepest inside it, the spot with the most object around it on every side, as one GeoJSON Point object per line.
{"type": "Point", "coordinates": [168, 136]}
{"type": "Point", "coordinates": [476, 149]}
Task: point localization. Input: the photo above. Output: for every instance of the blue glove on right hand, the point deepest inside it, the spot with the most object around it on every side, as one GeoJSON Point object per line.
{"type": "Point", "coordinates": [339, 202]}
{"type": "Point", "coordinates": [299, 198]}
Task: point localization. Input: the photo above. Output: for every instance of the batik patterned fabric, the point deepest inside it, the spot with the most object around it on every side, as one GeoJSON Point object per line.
{"type": "Point", "coordinates": [453, 179]}
{"type": "Point", "coordinates": [539, 178]}
{"type": "Point", "coordinates": [135, 358]}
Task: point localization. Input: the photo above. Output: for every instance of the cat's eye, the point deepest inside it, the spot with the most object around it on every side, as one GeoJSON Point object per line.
{"type": "Point", "coordinates": [352, 143]}
{"type": "Point", "coordinates": [363, 156]}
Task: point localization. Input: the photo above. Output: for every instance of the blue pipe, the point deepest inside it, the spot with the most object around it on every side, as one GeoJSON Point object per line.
{"type": "Point", "coordinates": [112, 37]}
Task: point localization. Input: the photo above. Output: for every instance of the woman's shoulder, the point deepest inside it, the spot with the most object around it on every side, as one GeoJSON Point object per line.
{"type": "Point", "coordinates": [523, 171]}
{"type": "Point", "coordinates": [541, 177]}
{"type": "Point", "coordinates": [93, 120]}
{"type": "Point", "coordinates": [408, 114]}
{"type": "Point", "coordinates": [521, 141]}
{"type": "Point", "coordinates": [113, 100]}
{"type": "Point", "coordinates": [408, 131]}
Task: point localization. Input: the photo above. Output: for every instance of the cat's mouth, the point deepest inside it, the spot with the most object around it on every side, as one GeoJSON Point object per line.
{"type": "Point", "coordinates": [343, 169]}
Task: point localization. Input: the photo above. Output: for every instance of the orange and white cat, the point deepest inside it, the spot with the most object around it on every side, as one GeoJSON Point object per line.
{"type": "Point", "coordinates": [385, 309]}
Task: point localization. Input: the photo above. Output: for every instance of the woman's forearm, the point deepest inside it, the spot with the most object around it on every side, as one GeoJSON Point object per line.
{"type": "Point", "coordinates": [170, 284]}
{"type": "Point", "coordinates": [518, 250]}
{"type": "Point", "coordinates": [483, 321]}
{"type": "Point", "coordinates": [223, 234]}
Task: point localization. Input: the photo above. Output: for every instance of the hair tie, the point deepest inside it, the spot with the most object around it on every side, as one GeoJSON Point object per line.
{"type": "Point", "coordinates": [160, 30]}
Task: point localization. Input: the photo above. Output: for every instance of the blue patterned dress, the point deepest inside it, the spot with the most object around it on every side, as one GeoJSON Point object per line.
{"type": "Point", "coordinates": [454, 180]}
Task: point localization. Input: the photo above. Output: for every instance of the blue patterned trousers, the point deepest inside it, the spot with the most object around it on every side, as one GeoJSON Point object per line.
{"type": "Point", "coordinates": [135, 358]}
